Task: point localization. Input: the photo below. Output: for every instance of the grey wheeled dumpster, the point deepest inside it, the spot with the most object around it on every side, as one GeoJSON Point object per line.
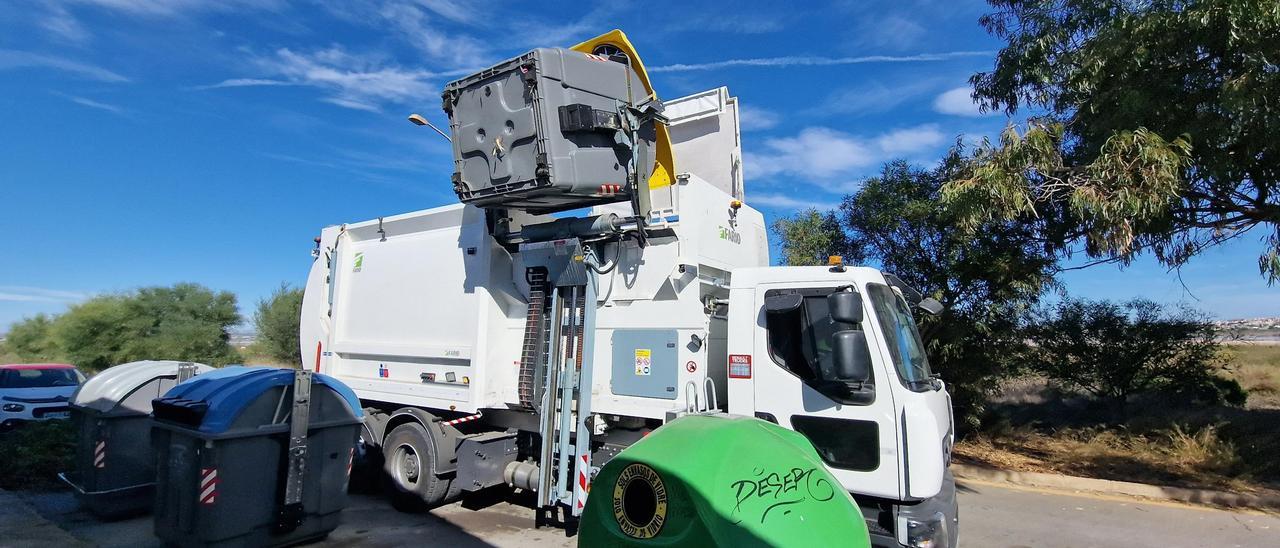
{"type": "Point", "coordinates": [253, 456]}
{"type": "Point", "coordinates": [115, 472]}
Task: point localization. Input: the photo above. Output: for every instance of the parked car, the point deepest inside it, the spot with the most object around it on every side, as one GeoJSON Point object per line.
{"type": "Point", "coordinates": [36, 392]}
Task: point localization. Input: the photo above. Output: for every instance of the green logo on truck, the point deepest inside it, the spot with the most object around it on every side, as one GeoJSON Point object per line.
{"type": "Point", "coordinates": [359, 262]}
{"type": "Point", "coordinates": [730, 235]}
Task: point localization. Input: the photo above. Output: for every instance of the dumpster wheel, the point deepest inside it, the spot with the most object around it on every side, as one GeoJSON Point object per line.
{"type": "Point", "coordinates": [409, 461]}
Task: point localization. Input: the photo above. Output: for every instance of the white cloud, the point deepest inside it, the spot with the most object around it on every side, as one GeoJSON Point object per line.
{"type": "Point", "coordinates": [92, 104]}
{"type": "Point", "coordinates": [247, 82]}
{"type": "Point", "coordinates": [460, 12]}
{"type": "Point", "coordinates": [352, 78]}
{"type": "Point", "coordinates": [63, 25]}
{"type": "Point", "coordinates": [827, 154]}
{"type": "Point", "coordinates": [416, 27]}
{"type": "Point", "coordinates": [809, 61]}
{"type": "Point", "coordinates": [56, 16]}
{"type": "Point", "coordinates": [734, 23]}
{"type": "Point", "coordinates": [15, 59]}
{"type": "Point", "coordinates": [875, 97]}
{"type": "Point", "coordinates": [890, 31]}
{"type": "Point", "coordinates": [959, 102]}
{"type": "Point", "coordinates": [782, 201]}
{"type": "Point", "coordinates": [166, 8]}
{"type": "Point", "coordinates": [353, 81]}
{"type": "Point", "coordinates": [910, 140]}
{"type": "Point", "coordinates": [20, 293]}
{"type": "Point", "coordinates": [754, 118]}
{"type": "Point", "coordinates": [351, 104]}
{"type": "Point", "coordinates": [815, 152]}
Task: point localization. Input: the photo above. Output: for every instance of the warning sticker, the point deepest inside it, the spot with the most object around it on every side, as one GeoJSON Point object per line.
{"type": "Point", "coordinates": [644, 360]}
{"type": "Point", "coordinates": [739, 366]}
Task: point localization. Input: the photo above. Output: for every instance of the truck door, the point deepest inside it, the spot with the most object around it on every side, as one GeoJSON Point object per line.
{"type": "Point", "coordinates": [854, 431]}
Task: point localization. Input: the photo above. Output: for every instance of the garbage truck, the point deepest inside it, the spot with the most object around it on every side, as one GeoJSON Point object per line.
{"type": "Point", "coordinates": [603, 274]}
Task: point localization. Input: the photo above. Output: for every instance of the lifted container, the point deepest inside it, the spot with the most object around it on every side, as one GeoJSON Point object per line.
{"type": "Point", "coordinates": [551, 130]}
{"type": "Point", "coordinates": [253, 456]}
{"type": "Point", "coordinates": [115, 471]}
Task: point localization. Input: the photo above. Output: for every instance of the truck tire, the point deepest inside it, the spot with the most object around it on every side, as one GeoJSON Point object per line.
{"type": "Point", "coordinates": [409, 461]}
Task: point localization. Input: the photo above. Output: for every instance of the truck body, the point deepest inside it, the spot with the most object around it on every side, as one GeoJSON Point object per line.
{"type": "Point", "coordinates": [464, 327]}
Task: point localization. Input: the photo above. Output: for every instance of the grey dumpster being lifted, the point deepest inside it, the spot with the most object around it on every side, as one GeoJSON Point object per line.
{"type": "Point", "coordinates": [253, 456]}
{"type": "Point", "coordinates": [115, 472]}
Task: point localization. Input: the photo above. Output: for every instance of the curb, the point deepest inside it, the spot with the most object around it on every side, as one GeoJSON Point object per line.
{"type": "Point", "coordinates": [1181, 494]}
{"type": "Point", "coordinates": [22, 527]}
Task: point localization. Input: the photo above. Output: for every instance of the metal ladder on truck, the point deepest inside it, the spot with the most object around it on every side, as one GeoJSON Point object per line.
{"type": "Point", "coordinates": [558, 348]}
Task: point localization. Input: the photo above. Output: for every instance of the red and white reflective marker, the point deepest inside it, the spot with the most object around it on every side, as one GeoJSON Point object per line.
{"type": "Point", "coordinates": [467, 418]}
{"type": "Point", "coordinates": [208, 485]}
{"type": "Point", "coordinates": [100, 454]}
{"type": "Point", "coordinates": [584, 486]}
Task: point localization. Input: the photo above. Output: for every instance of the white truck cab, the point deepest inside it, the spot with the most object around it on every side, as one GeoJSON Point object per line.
{"type": "Point", "coordinates": [506, 346]}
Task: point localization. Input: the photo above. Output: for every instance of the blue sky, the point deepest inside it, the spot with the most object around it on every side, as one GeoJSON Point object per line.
{"type": "Point", "coordinates": [147, 142]}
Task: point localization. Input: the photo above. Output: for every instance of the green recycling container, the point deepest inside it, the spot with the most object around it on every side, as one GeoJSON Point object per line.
{"type": "Point", "coordinates": [222, 443]}
{"type": "Point", "coordinates": [716, 480]}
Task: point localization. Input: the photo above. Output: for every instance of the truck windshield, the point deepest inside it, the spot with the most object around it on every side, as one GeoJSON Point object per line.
{"type": "Point", "coordinates": [901, 337]}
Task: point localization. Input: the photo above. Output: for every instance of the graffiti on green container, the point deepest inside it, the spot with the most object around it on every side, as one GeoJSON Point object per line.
{"type": "Point", "coordinates": [774, 490]}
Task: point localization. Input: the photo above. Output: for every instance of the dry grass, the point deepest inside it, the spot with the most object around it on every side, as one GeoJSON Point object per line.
{"type": "Point", "coordinates": [254, 354]}
{"type": "Point", "coordinates": [1257, 368]}
{"type": "Point", "coordinates": [8, 357]}
{"type": "Point", "coordinates": [1036, 427]}
{"type": "Point", "coordinates": [1176, 456]}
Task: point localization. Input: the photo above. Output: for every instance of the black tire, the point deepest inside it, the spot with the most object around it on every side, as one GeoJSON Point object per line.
{"type": "Point", "coordinates": [410, 463]}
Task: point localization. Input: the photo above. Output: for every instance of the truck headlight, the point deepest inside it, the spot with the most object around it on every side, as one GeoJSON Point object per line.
{"type": "Point", "coordinates": [927, 532]}
{"type": "Point", "coordinates": [14, 407]}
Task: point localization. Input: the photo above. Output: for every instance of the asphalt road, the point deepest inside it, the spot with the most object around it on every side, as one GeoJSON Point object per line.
{"type": "Point", "coordinates": [991, 516]}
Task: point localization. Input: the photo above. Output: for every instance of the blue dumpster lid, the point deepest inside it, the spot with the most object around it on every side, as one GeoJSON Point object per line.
{"type": "Point", "coordinates": [229, 389]}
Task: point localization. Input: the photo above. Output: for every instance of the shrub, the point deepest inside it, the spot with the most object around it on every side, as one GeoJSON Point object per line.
{"type": "Point", "coordinates": [183, 322]}
{"type": "Point", "coordinates": [277, 321]}
{"type": "Point", "coordinates": [29, 339]}
{"type": "Point", "coordinates": [1114, 351]}
{"type": "Point", "coordinates": [32, 454]}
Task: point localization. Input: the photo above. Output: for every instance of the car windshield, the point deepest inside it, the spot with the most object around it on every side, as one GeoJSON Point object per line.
{"type": "Point", "coordinates": [38, 378]}
{"type": "Point", "coordinates": [900, 335]}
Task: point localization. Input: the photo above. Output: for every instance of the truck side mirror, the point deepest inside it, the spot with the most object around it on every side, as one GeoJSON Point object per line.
{"type": "Point", "coordinates": [846, 307]}
{"type": "Point", "coordinates": [852, 357]}
{"type": "Point", "coordinates": [781, 304]}
{"type": "Point", "coordinates": [931, 306]}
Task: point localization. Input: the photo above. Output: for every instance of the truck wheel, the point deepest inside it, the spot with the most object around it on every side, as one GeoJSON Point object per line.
{"type": "Point", "coordinates": [409, 460]}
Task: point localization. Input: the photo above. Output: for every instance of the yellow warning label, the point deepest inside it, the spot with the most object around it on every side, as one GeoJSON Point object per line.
{"type": "Point", "coordinates": [644, 360]}
{"type": "Point", "coordinates": [640, 501]}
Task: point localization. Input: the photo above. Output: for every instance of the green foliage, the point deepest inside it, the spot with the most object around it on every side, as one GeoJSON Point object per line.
{"type": "Point", "coordinates": [1156, 126]}
{"type": "Point", "coordinates": [32, 454]}
{"type": "Point", "coordinates": [988, 280]}
{"type": "Point", "coordinates": [1114, 351]}
{"type": "Point", "coordinates": [29, 339]}
{"type": "Point", "coordinates": [183, 322]}
{"type": "Point", "coordinates": [277, 321]}
{"type": "Point", "coordinates": [810, 238]}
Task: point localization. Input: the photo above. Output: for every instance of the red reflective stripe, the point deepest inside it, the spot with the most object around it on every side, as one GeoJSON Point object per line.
{"type": "Point", "coordinates": [318, 347]}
